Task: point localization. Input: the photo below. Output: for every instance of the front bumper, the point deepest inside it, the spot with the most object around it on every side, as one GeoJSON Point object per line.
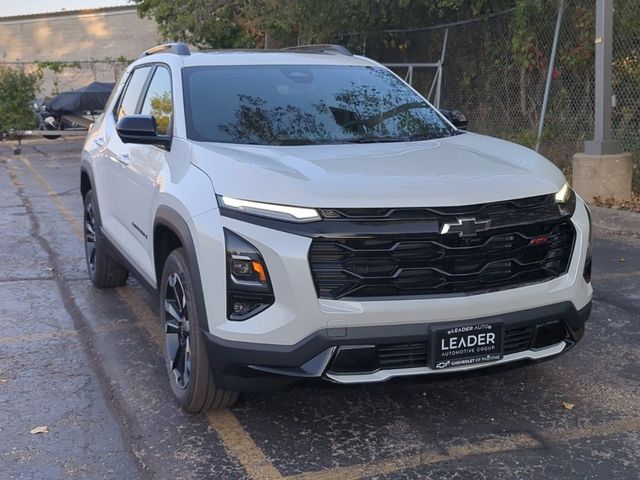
{"type": "Point", "coordinates": [325, 353]}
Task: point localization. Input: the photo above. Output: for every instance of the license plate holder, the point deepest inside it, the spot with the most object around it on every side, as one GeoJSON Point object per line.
{"type": "Point", "coordinates": [456, 345]}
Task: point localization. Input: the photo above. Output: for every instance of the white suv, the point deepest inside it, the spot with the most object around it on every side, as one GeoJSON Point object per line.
{"type": "Point", "coordinates": [307, 214]}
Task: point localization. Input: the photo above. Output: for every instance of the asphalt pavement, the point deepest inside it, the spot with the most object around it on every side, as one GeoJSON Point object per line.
{"type": "Point", "coordinates": [85, 364]}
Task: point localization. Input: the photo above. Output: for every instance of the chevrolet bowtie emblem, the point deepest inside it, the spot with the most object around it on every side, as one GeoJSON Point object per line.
{"type": "Point", "coordinates": [465, 227]}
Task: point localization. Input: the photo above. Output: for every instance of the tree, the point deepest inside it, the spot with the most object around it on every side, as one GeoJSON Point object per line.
{"type": "Point", "coordinates": [18, 89]}
{"type": "Point", "coordinates": [204, 23]}
{"type": "Point", "coordinates": [244, 23]}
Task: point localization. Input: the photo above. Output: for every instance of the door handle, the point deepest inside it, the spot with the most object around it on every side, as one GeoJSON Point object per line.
{"type": "Point", "coordinates": [99, 141]}
{"type": "Point", "coordinates": [124, 158]}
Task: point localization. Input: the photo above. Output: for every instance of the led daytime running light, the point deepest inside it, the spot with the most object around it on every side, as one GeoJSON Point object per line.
{"type": "Point", "coordinates": [563, 194]}
{"type": "Point", "coordinates": [283, 212]}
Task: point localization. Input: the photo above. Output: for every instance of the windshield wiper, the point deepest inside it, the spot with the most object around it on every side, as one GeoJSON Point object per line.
{"type": "Point", "coordinates": [294, 141]}
{"type": "Point", "coordinates": [383, 139]}
{"type": "Point", "coordinates": [361, 139]}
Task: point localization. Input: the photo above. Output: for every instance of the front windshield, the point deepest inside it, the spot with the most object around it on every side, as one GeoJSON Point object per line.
{"type": "Point", "coordinates": [305, 105]}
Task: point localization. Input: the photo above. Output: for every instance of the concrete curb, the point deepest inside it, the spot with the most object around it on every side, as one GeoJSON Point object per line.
{"type": "Point", "coordinates": [610, 220]}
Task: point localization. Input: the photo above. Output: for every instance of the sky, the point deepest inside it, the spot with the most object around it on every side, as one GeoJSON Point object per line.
{"type": "Point", "coordinates": [27, 7]}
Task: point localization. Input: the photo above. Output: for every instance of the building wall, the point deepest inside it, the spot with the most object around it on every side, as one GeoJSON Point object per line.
{"type": "Point", "coordinates": [93, 43]}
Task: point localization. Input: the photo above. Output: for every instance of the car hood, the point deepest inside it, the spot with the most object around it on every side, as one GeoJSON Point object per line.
{"type": "Point", "coordinates": [460, 170]}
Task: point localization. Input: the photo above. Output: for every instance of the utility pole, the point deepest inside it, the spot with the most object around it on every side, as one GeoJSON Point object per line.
{"type": "Point", "coordinates": [603, 171]}
{"type": "Point", "coordinates": [602, 144]}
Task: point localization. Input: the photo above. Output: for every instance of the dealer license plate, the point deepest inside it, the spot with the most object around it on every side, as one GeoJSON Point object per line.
{"type": "Point", "coordinates": [465, 345]}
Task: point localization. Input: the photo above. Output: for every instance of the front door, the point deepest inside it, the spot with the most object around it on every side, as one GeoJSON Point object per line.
{"type": "Point", "coordinates": [141, 176]}
{"type": "Point", "coordinates": [114, 163]}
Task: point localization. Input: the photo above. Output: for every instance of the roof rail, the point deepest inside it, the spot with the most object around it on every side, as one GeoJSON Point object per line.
{"type": "Point", "coordinates": [177, 48]}
{"type": "Point", "coordinates": [320, 48]}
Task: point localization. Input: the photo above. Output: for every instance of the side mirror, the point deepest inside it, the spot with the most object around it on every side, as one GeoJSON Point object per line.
{"type": "Point", "coordinates": [141, 129]}
{"type": "Point", "coordinates": [456, 117]}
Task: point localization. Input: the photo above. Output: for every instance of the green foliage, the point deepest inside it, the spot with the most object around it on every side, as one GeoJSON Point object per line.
{"type": "Point", "coordinates": [213, 23]}
{"type": "Point", "coordinates": [18, 89]}
{"type": "Point", "coordinates": [55, 66]}
{"type": "Point", "coordinates": [522, 41]}
{"type": "Point", "coordinates": [579, 51]}
{"type": "Point", "coordinates": [244, 23]}
{"type": "Point", "coordinates": [161, 109]}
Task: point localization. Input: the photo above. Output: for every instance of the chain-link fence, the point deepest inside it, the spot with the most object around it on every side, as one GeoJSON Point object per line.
{"type": "Point", "coordinates": [58, 76]}
{"type": "Point", "coordinates": [495, 69]}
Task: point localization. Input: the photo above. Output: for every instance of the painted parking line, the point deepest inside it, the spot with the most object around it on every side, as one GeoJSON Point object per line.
{"type": "Point", "coordinates": [615, 275]}
{"type": "Point", "coordinates": [61, 334]}
{"type": "Point", "coordinates": [502, 444]}
{"type": "Point", "coordinates": [492, 446]}
{"type": "Point", "coordinates": [240, 444]}
{"type": "Point", "coordinates": [233, 435]}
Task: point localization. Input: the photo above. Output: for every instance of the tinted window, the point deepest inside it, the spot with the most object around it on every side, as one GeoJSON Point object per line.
{"type": "Point", "coordinates": [304, 104]}
{"type": "Point", "coordinates": [158, 101]}
{"type": "Point", "coordinates": [132, 93]}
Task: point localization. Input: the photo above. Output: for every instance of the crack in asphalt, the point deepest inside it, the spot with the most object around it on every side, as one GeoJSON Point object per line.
{"type": "Point", "coordinates": [126, 425]}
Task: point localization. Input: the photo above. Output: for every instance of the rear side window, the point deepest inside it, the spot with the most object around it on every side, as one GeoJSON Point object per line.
{"type": "Point", "coordinates": [158, 100]}
{"type": "Point", "coordinates": [132, 92]}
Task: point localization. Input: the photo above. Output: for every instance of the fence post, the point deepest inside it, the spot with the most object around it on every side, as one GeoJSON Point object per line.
{"type": "Point", "coordinates": [552, 61]}
{"type": "Point", "coordinates": [439, 71]}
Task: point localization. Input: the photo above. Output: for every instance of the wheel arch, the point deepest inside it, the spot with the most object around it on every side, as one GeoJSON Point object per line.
{"type": "Point", "coordinates": [171, 231]}
{"type": "Point", "coordinates": [86, 179]}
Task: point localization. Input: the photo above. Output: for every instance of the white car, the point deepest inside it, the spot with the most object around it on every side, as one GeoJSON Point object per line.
{"type": "Point", "coordinates": [307, 214]}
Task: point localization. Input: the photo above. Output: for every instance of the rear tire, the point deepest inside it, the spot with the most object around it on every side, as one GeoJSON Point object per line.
{"type": "Point", "coordinates": [103, 271]}
{"type": "Point", "coordinates": [186, 357]}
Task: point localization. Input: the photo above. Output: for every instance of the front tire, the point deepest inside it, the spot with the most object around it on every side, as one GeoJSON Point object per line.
{"type": "Point", "coordinates": [103, 270]}
{"type": "Point", "coordinates": [186, 357]}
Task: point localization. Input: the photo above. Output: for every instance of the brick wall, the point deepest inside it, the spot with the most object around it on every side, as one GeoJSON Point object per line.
{"type": "Point", "coordinates": [93, 38]}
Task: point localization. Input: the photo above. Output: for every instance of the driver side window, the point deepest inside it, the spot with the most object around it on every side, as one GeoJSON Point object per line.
{"type": "Point", "coordinates": [158, 100]}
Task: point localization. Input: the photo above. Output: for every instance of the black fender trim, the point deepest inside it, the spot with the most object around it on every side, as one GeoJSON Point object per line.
{"type": "Point", "coordinates": [169, 218]}
{"type": "Point", "coordinates": [85, 168]}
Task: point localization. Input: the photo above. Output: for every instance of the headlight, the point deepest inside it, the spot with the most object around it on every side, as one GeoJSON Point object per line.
{"type": "Point", "coordinates": [249, 290]}
{"type": "Point", "coordinates": [270, 210]}
{"type": "Point", "coordinates": [566, 200]}
{"type": "Point", "coordinates": [563, 194]}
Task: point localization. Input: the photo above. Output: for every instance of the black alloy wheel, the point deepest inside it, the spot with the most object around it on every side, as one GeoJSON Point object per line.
{"type": "Point", "coordinates": [177, 331]}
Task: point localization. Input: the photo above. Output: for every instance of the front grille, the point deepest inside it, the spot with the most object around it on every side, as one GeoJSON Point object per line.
{"type": "Point", "coordinates": [528, 241]}
{"type": "Point", "coordinates": [518, 339]}
{"type": "Point", "coordinates": [403, 355]}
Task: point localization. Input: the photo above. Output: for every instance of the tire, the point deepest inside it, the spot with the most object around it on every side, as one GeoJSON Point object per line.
{"type": "Point", "coordinates": [103, 270]}
{"type": "Point", "coordinates": [48, 137]}
{"type": "Point", "coordinates": [186, 358]}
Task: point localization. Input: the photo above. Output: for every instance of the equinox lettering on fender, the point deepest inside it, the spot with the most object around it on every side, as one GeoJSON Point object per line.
{"type": "Point", "coordinates": [139, 230]}
{"type": "Point", "coordinates": [480, 340]}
